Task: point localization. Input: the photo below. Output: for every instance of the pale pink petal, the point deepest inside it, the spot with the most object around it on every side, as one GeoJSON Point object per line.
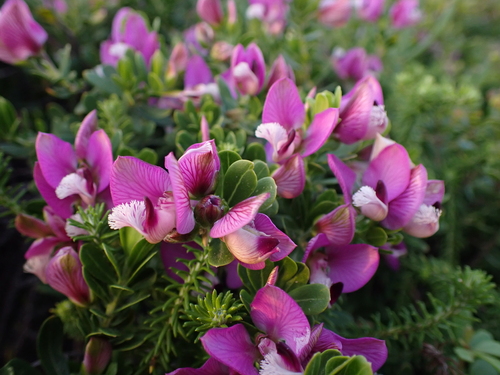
{"type": "Point", "coordinates": [88, 126]}
{"type": "Point", "coordinates": [37, 265]}
{"type": "Point", "coordinates": [264, 224]}
{"type": "Point", "coordinates": [185, 215]}
{"type": "Point", "coordinates": [278, 138]}
{"type": "Point", "coordinates": [205, 129]}
{"type": "Point", "coordinates": [134, 179]}
{"type": "Point", "coordinates": [346, 177]}
{"type": "Point", "coordinates": [245, 80]}
{"type": "Point", "coordinates": [49, 150]}
{"type": "Point", "coordinates": [392, 166]}
{"type": "Point", "coordinates": [319, 131]}
{"type": "Point", "coordinates": [238, 216]}
{"type": "Point", "coordinates": [434, 192]}
{"type": "Point", "coordinates": [319, 268]}
{"type": "Point", "coordinates": [130, 214]}
{"type": "Point", "coordinates": [283, 105]}
{"type": "Point", "coordinates": [370, 205]}
{"type": "Point", "coordinates": [250, 246]}
{"type": "Point", "coordinates": [158, 222]}
{"type": "Point", "coordinates": [424, 223]}
{"type": "Point", "coordinates": [380, 144]}
{"type": "Point", "coordinates": [232, 347]}
{"type": "Point", "coordinates": [338, 225]}
{"type": "Point", "coordinates": [280, 317]}
{"type": "Point", "coordinates": [100, 158]}
{"type": "Point", "coordinates": [62, 207]}
{"type": "Point", "coordinates": [404, 207]}
{"type": "Point", "coordinates": [56, 223]}
{"type": "Point", "coordinates": [210, 11]}
{"type": "Point", "coordinates": [290, 177]}
{"type": "Point", "coordinates": [199, 166]}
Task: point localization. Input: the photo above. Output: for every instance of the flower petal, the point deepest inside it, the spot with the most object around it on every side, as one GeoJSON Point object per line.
{"type": "Point", "coordinates": [200, 165]}
{"type": "Point", "coordinates": [434, 192]}
{"type": "Point", "coordinates": [283, 105]}
{"type": "Point", "coordinates": [197, 71]}
{"type": "Point", "coordinates": [392, 166]}
{"type": "Point", "coordinates": [338, 225]}
{"type": "Point", "coordinates": [290, 177]}
{"type": "Point", "coordinates": [280, 317]}
{"type": "Point", "coordinates": [264, 224]}
{"type": "Point", "coordinates": [345, 176]}
{"type": "Point", "coordinates": [211, 367]}
{"type": "Point", "coordinates": [319, 131]}
{"type": "Point", "coordinates": [87, 127]}
{"type": "Point", "coordinates": [100, 158]}
{"type": "Point", "coordinates": [352, 265]}
{"type": "Point", "coordinates": [49, 149]}
{"type": "Point", "coordinates": [185, 214]}
{"type": "Point", "coordinates": [250, 246]}
{"type": "Point", "coordinates": [320, 240]}
{"type": "Point", "coordinates": [277, 136]}
{"type": "Point", "coordinates": [62, 207]}
{"type": "Point", "coordinates": [404, 207]}
{"type": "Point", "coordinates": [31, 226]}
{"type": "Point", "coordinates": [238, 216]}
{"type": "Point", "coordinates": [232, 347]}
{"type": "Point", "coordinates": [134, 179]}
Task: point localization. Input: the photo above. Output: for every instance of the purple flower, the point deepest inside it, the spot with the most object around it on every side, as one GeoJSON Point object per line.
{"type": "Point", "coordinates": [355, 63]}
{"type": "Point", "coordinates": [405, 13]}
{"type": "Point", "coordinates": [370, 10]}
{"type": "Point", "coordinates": [286, 343]}
{"type": "Point", "coordinates": [60, 6]}
{"type": "Point", "coordinates": [64, 274]}
{"type": "Point", "coordinates": [82, 175]}
{"type": "Point", "coordinates": [97, 355]}
{"type": "Point", "coordinates": [279, 69]}
{"type": "Point", "coordinates": [271, 12]}
{"type": "Point", "coordinates": [362, 112]}
{"type": "Point", "coordinates": [398, 251]}
{"type": "Point", "coordinates": [247, 73]}
{"type": "Point", "coordinates": [20, 35]}
{"type": "Point", "coordinates": [283, 117]}
{"type": "Point", "coordinates": [178, 60]}
{"type": "Point", "coordinates": [334, 13]}
{"type": "Point", "coordinates": [129, 31]}
{"type": "Point", "coordinates": [210, 11]}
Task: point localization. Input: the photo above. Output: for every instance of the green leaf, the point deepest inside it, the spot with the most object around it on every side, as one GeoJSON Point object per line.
{"type": "Point", "coordinates": [239, 182]}
{"type": "Point", "coordinates": [129, 237]}
{"type": "Point", "coordinates": [228, 102]}
{"type": "Point", "coordinates": [148, 155]}
{"type": "Point", "coordinates": [286, 271]}
{"type": "Point", "coordinates": [480, 336]}
{"type": "Point", "coordinates": [258, 278]}
{"type": "Point", "coordinates": [482, 367]}
{"type": "Point", "coordinates": [183, 140]}
{"type": "Point", "coordinates": [312, 298]}
{"type": "Point", "coordinates": [8, 117]}
{"type": "Point", "coordinates": [317, 364]}
{"type": "Point", "coordinates": [356, 365]}
{"type": "Point", "coordinates": [255, 151]}
{"type": "Point", "coordinates": [231, 138]}
{"type": "Point", "coordinates": [321, 103]}
{"type": "Point", "coordinates": [491, 360]}
{"type": "Point", "coordinates": [246, 298]}
{"type": "Point", "coordinates": [301, 277]}
{"type": "Point", "coordinates": [464, 354]}
{"type": "Point", "coordinates": [376, 237]}
{"type": "Point", "coordinates": [218, 254]}
{"type": "Point", "coordinates": [488, 347]}
{"type": "Point", "coordinates": [141, 255]}
{"type": "Point", "coordinates": [266, 185]}
{"type": "Point", "coordinates": [272, 210]}
{"type": "Point", "coordinates": [49, 347]}
{"type": "Point", "coordinates": [261, 169]}
{"type": "Point", "coordinates": [95, 261]}
{"type": "Point", "coordinates": [227, 158]}
{"type": "Point", "coordinates": [18, 367]}
{"type": "Point", "coordinates": [241, 138]}
{"type": "Point", "coordinates": [103, 83]}
{"type": "Point", "coordinates": [97, 288]}
{"type": "Point", "coordinates": [245, 278]}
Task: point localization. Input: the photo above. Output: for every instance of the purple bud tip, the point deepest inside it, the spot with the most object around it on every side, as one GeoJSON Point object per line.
{"type": "Point", "coordinates": [209, 210]}
{"type": "Point", "coordinates": [97, 355]}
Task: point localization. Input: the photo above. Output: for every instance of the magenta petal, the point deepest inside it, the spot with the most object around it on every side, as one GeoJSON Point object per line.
{"type": "Point", "coordinates": [100, 158]}
{"type": "Point", "coordinates": [211, 367]}
{"type": "Point", "coordinates": [233, 280]}
{"type": "Point", "coordinates": [338, 225]}
{"type": "Point", "coordinates": [402, 209]}
{"type": "Point", "coordinates": [185, 215]}
{"type": "Point", "coordinates": [283, 105]}
{"type": "Point", "coordinates": [255, 59]}
{"type": "Point", "coordinates": [345, 176]}
{"type": "Point", "coordinates": [49, 150]}
{"type": "Point", "coordinates": [232, 347]}
{"type": "Point", "coordinates": [88, 126]}
{"type": "Point", "coordinates": [42, 246]}
{"type": "Point", "coordinates": [200, 165]}
{"type": "Point", "coordinates": [290, 177]}
{"type": "Point", "coordinates": [264, 224]}
{"type": "Point", "coordinates": [392, 166]}
{"type": "Point", "coordinates": [250, 246]}
{"type": "Point", "coordinates": [352, 265]}
{"type": "Point", "coordinates": [319, 130]}
{"type": "Point", "coordinates": [320, 240]}
{"type": "Point", "coordinates": [32, 227]}
{"type": "Point", "coordinates": [197, 72]}
{"type": "Point", "coordinates": [62, 207]}
{"type": "Point", "coordinates": [280, 317]}
{"type": "Point", "coordinates": [434, 192]}
{"type": "Point", "coordinates": [134, 179]}
{"type": "Point", "coordinates": [238, 216]}
{"type": "Point", "coordinates": [374, 350]}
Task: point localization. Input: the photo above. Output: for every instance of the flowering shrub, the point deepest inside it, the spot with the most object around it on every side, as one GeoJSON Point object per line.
{"type": "Point", "coordinates": [214, 194]}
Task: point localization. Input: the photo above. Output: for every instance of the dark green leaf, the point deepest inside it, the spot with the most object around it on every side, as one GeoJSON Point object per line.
{"type": "Point", "coordinates": [312, 298]}
{"type": "Point", "coordinates": [239, 182]}
{"type": "Point", "coordinates": [246, 299]}
{"type": "Point", "coordinates": [49, 347]}
{"type": "Point", "coordinates": [317, 364]}
{"type": "Point", "coordinates": [255, 151]}
{"type": "Point", "coordinates": [218, 254]}
{"type": "Point", "coordinates": [266, 185]}
{"type": "Point", "coordinates": [227, 158]}
{"type": "Point", "coordinates": [95, 261]}
{"type": "Point", "coordinates": [18, 367]}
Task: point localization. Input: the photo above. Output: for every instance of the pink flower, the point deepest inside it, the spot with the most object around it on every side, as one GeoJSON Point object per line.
{"type": "Point", "coordinates": [20, 35]}
{"type": "Point", "coordinates": [129, 31]}
{"type": "Point", "coordinates": [334, 13]}
{"type": "Point", "coordinates": [370, 10]}
{"type": "Point", "coordinates": [271, 12]}
{"type": "Point", "coordinates": [82, 175]}
{"type": "Point", "coordinates": [355, 63]}
{"type": "Point", "coordinates": [405, 13]}
{"type": "Point", "coordinates": [97, 355]}
{"type": "Point", "coordinates": [279, 69]}
{"type": "Point", "coordinates": [210, 11]}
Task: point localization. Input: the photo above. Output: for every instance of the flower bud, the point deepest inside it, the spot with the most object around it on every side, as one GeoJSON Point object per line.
{"type": "Point", "coordinates": [97, 355]}
{"type": "Point", "coordinates": [20, 36]}
{"type": "Point", "coordinates": [204, 34]}
{"type": "Point", "coordinates": [178, 60]}
{"type": "Point", "coordinates": [209, 210]}
{"type": "Point", "coordinates": [280, 69]}
{"type": "Point", "coordinates": [210, 11]}
{"type": "Point", "coordinates": [64, 274]}
{"type": "Point", "coordinates": [405, 13]}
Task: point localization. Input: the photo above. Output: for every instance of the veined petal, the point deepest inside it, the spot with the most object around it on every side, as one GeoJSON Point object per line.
{"type": "Point", "coordinates": [62, 207]}
{"type": "Point", "coordinates": [404, 207]}
{"type": "Point", "coordinates": [278, 359]}
{"type": "Point", "coordinates": [100, 159]}
{"type": "Point", "coordinates": [320, 240]}
{"type": "Point", "coordinates": [37, 265]}
{"type": "Point", "coordinates": [338, 225]}
{"type": "Point", "coordinates": [280, 317]}
{"type": "Point", "coordinates": [87, 127]}
{"type": "Point", "coordinates": [185, 216]}
{"type": "Point", "coordinates": [211, 367]}
{"type": "Point", "coordinates": [345, 176]}
{"type": "Point", "coordinates": [232, 347]}
{"type": "Point", "coordinates": [319, 131]}
{"type": "Point", "coordinates": [352, 265]}
{"type": "Point", "coordinates": [374, 350]}
{"type": "Point", "coordinates": [283, 105]}
{"type": "Point", "coordinates": [238, 216]}
{"type": "Point", "coordinates": [290, 177]}
{"type": "Point", "coordinates": [264, 224]}
{"type": "Point", "coordinates": [134, 179]}
{"type": "Point", "coordinates": [434, 192]}
{"type": "Point", "coordinates": [49, 149]}
{"type": "Point", "coordinates": [200, 165]}
{"type": "Point", "coordinates": [56, 223]}
{"type": "Point", "coordinates": [158, 222]}
{"type": "Point", "coordinates": [43, 246]}
{"type": "Point", "coordinates": [392, 166]}
{"type": "Point", "coordinates": [250, 246]}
